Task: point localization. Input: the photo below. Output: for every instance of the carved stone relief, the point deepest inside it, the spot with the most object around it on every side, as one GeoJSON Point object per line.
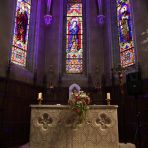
{"type": "Point", "coordinates": [60, 128]}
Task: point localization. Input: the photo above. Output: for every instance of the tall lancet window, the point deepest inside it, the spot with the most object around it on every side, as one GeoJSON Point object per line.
{"type": "Point", "coordinates": [126, 42]}
{"type": "Point", "coordinates": [74, 37]}
{"type": "Point", "coordinates": [21, 30]}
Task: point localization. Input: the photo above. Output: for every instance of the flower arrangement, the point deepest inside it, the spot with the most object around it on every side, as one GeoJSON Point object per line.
{"type": "Point", "coordinates": [79, 102]}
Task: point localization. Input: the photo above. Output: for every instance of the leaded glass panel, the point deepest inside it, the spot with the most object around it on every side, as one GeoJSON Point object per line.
{"type": "Point", "coordinates": [126, 43]}
{"type": "Point", "coordinates": [21, 30]}
{"type": "Point", "coordinates": [74, 37]}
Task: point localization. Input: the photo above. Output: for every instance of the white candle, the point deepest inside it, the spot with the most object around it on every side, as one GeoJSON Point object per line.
{"type": "Point", "coordinates": [40, 95]}
{"type": "Point", "coordinates": [108, 96]}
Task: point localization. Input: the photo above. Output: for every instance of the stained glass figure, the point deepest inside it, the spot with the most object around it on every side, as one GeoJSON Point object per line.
{"type": "Point", "coordinates": [21, 30]}
{"type": "Point", "coordinates": [74, 37]}
{"type": "Point", "coordinates": [126, 43]}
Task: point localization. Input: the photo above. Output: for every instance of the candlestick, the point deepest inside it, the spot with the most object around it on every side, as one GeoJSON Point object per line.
{"type": "Point", "coordinates": [40, 98]}
{"type": "Point", "coordinates": [108, 99]}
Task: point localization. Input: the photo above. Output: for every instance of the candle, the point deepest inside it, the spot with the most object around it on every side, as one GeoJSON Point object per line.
{"type": "Point", "coordinates": [108, 96]}
{"type": "Point", "coordinates": [40, 95]}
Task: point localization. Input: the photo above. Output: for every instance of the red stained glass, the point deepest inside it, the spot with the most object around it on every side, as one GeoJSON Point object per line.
{"type": "Point", "coordinates": [74, 66]}
{"type": "Point", "coordinates": [18, 56]}
{"type": "Point", "coordinates": [21, 30]}
{"type": "Point", "coordinates": [126, 43]}
{"type": "Point", "coordinates": [127, 57]}
{"type": "Point", "coordinates": [74, 38]}
{"type": "Point", "coordinates": [74, 10]}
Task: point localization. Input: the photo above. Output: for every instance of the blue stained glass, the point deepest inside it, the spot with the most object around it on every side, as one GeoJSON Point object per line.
{"type": "Point", "coordinates": [21, 30]}
{"type": "Point", "coordinates": [125, 33]}
{"type": "Point", "coordinates": [74, 37]}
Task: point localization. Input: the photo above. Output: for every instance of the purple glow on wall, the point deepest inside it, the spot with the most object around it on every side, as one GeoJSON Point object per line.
{"type": "Point", "coordinates": [47, 19]}
{"type": "Point", "coordinates": [100, 17]}
{"type": "Point", "coordinates": [37, 33]}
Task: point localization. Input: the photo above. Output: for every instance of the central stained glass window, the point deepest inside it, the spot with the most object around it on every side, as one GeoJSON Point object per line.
{"type": "Point", "coordinates": [74, 37]}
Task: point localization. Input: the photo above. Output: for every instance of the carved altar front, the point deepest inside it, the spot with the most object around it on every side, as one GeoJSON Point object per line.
{"type": "Point", "coordinates": [56, 126]}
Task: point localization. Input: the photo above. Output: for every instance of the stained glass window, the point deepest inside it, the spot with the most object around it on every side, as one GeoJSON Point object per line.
{"type": "Point", "coordinates": [74, 37]}
{"type": "Point", "coordinates": [21, 30]}
{"type": "Point", "coordinates": [126, 43]}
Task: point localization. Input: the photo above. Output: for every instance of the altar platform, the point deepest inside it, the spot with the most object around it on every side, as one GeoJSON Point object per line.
{"type": "Point", "coordinates": [57, 126]}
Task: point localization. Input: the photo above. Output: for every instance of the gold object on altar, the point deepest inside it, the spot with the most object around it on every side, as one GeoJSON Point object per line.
{"type": "Point", "coordinates": [108, 99]}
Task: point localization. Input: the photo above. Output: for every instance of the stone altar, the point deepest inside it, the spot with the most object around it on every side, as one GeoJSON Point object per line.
{"type": "Point", "coordinates": [56, 126]}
